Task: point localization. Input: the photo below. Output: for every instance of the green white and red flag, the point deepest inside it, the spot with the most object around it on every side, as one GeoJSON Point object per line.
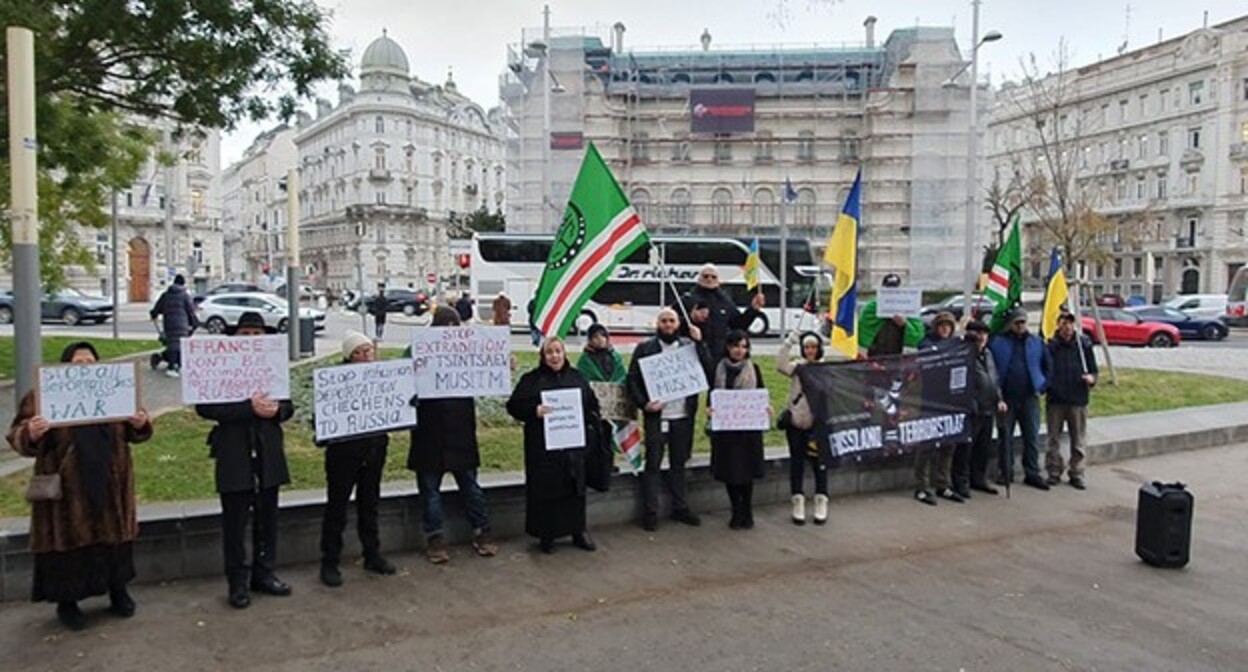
{"type": "Point", "coordinates": [599, 230]}
{"type": "Point", "coordinates": [627, 441]}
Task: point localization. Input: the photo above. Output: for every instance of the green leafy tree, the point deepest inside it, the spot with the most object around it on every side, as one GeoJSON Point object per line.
{"type": "Point", "coordinates": [102, 64]}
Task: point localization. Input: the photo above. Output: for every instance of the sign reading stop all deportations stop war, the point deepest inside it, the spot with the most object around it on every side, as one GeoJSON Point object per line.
{"type": "Point", "coordinates": [740, 411]}
{"type": "Point", "coordinates": [223, 369]}
{"type": "Point", "coordinates": [457, 362]}
{"type": "Point", "coordinates": [76, 394]}
{"type": "Point", "coordinates": [363, 398]}
{"type": "Point", "coordinates": [673, 374]}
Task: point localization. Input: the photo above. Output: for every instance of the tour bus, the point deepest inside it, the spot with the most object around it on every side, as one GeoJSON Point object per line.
{"type": "Point", "coordinates": [1237, 299]}
{"type": "Point", "coordinates": [631, 299]}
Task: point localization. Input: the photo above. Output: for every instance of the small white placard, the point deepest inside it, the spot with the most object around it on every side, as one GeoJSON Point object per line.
{"type": "Point", "coordinates": [458, 362]}
{"type": "Point", "coordinates": [77, 394]}
{"type": "Point", "coordinates": [363, 398]}
{"type": "Point", "coordinates": [673, 374]}
{"type": "Point", "coordinates": [903, 301]}
{"type": "Point", "coordinates": [740, 411]}
{"type": "Point", "coordinates": [224, 369]}
{"type": "Point", "coordinates": [565, 424]}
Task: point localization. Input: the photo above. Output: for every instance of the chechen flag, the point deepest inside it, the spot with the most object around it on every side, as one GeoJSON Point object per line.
{"type": "Point", "coordinates": [627, 441]}
{"type": "Point", "coordinates": [1005, 281]}
{"type": "Point", "coordinates": [599, 230]}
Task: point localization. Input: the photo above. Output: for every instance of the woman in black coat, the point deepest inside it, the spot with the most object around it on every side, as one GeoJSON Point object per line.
{"type": "Point", "coordinates": [737, 457]}
{"type": "Point", "coordinates": [554, 480]}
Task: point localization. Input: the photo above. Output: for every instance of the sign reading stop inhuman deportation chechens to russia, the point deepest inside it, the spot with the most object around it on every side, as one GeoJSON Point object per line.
{"type": "Point", "coordinates": [355, 399]}
{"type": "Point", "coordinates": [458, 362]}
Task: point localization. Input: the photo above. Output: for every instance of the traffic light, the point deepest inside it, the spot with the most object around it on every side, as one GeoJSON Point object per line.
{"type": "Point", "coordinates": [463, 260]}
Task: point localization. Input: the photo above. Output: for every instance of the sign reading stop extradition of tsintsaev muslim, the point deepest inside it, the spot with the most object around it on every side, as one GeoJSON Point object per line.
{"type": "Point", "coordinates": [458, 362]}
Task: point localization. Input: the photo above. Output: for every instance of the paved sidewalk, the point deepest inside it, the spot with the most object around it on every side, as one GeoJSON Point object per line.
{"type": "Point", "coordinates": [1045, 581]}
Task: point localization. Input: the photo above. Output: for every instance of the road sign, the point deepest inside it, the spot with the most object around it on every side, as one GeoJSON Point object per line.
{"type": "Point", "coordinates": [431, 278]}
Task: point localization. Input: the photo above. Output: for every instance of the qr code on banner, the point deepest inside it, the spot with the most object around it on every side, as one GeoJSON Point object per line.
{"type": "Point", "coordinates": [957, 379]}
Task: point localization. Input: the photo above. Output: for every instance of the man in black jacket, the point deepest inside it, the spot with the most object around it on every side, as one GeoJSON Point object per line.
{"type": "Point", "coordinates": [1071, 375]}
{"type": "Point", "coordinates": [379, 308]}
{"type": "Point", "coordinates": [988, 403]}
{"type": "Point", "coordinates": [666, 424]}
{"type": "Point", "coordinates": [176, 311]}
{"type": "Point", "coordinates": [247, 444]}
{"type": "Point", "coordinates": [711, 309]}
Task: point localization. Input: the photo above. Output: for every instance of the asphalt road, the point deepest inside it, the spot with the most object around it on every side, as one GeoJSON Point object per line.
{"type": "Point", "coordinates": [1040, 582]}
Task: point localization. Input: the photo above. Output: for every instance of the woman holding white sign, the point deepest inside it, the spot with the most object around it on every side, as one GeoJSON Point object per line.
{"type": "Point", "coordinates": [737, 456]}
{"type": "Point", "coordinates": [82, 519]}
{"type": "Point", "coordinates": [554, 473]}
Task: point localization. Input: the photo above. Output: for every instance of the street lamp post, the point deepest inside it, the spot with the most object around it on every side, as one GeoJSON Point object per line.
{"type": "Point", "coordinates": [972, 155]}
{"type": "Point", "coordinates": [24, 206]}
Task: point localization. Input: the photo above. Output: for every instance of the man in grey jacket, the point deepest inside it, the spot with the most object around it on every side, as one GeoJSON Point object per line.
{"type": "Point", "coordinates": [176, 311]}
{"type": "Point", "coordinates": [972, 474]}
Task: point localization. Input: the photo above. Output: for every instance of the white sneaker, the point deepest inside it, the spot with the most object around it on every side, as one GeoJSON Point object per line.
{"type": "Point", "coordinates": [173, 374]}
{"type": "Point", "coordinates": [821, 509]}
{"type": "Point", "coordinates": [799, 510]}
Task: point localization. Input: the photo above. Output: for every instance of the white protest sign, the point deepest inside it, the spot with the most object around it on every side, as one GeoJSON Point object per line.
{"type": "Point", "coordinates": [673, 374]}
{"type": "Point", "coordinates": [740, 411]}
{"type": "Point", "coordinates": [614, 401]}
{"type": "Point", "coordinates": [565, 424]}
{"type": "Point", "coordinates": [903, 301]}
{"type": "Point", "coordinates": [363, 398]}
{"type": "Point", "coordinates": [223, 369]}
{"type": "Point", "coordinates": [76, 394]}
{"type": "Point", "coordinates": [453, 362]}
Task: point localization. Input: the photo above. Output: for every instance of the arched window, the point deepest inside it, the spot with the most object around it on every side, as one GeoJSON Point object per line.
{"type": "Point", "coordinates": [721, 207]}
{"type": "Point", "coordinates": [804, 214]}
{"type": "Point", "coordinates": [380, 124]}
{"type": "Point", "coordinates": [641, 203]}
{"type": "Point", "coordinates": [678, 211]}
{"type": "Point", "coordinates": [764, 210]}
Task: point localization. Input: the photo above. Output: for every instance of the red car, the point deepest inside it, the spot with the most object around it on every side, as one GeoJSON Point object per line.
{"type": "Point", "coordinates": [1125, 328]}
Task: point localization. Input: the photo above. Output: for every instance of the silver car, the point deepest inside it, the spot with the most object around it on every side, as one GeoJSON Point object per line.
{"type": "Point", "coordinates": [219, 313]}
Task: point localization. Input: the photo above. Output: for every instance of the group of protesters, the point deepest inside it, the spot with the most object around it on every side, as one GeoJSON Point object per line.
{"type": "Point", "coordinates": [82, 539]}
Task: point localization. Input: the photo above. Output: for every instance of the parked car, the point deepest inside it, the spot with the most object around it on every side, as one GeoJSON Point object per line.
{"type": "Point", "coordinates": [406, 301]}
{"type": "Point", "coordinates": [230, 288]}
{"type": "Point", "coordinates": [1197, 328]}
{"type": "Point", "coordinates": [1210, 306]}
{"type": "Point", "coordinates": [305, 291]}
{"type": "Point", "coordinates": [69, 306]}
{"type": "Point", "coordinates": [1122, 327]}
{"type": "Point", "coordinates": [980, 306]}
{"type": "Point", "coordinates": [219, 313]}
{"type": "Point", "coordinates": [1111, 301]}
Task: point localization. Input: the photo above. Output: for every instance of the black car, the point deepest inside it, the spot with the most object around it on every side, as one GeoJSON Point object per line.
{"type": "Point", "coordinates": [980, 306]}
{"type": "Point", "coordinates": [1197, 328]}
{"type": "Point", "coordinates": [406, 301]}
{"type": "Point", "coordinates": [69, 306]}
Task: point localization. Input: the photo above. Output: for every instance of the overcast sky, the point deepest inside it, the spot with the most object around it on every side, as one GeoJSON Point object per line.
{"type": "Point", "coordinates": [470, 36]}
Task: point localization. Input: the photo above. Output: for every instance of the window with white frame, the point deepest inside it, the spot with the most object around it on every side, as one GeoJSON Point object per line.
{"type": "Point", "coordinates": [721, 207]}
{"type": "Point", "coordinates": [1161, 186]}
{"type": "Point", "coordinates": [764, 207]}
{"type": "Point", "coordinates": [101, 248]}
{"type": "Point", "coordinates": [1141, 146]}
{"type": "Point", "coordinates": [640, 199]}
{"type": "Point", "coordinates": [1141, 188]}
{"type": "Point", "coordinates": [1163, 143]}
{"type": "Point", "coordinates": [678, 211]}
{"type": "Point", "coordinates": [379, 124]}
{"type": "Point", "coordinates": [1196, 92]}
{"type": "Point", "coordinates": [806, 146]}
{"type": "Point", "coordinates": [764, 146]}
{"type": "Point", "coordinates": [197, 251]}
{"type": "Point", "coordinates": [680, 148]}
{"type": "Point", "coordinates": [1161, 100]}
{"type": "Point", "coordinates": [1193, 137]}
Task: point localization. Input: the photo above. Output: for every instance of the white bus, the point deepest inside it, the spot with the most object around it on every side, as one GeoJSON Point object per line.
{"type": "Point", "coordinates": [631, 299]}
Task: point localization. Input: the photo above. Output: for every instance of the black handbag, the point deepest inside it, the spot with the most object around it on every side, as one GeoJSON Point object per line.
{"type": "Point", "coordinates": [599, 458]}
{"type": "Point", "coordinates": [785, 419]}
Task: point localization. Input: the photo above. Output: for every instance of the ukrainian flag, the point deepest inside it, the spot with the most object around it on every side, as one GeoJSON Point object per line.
{"type": "Point", "coordinates": [751, 266]}
{"type": "Point", "coordinates": [842, 254]}
{"type": "Point", "coordinates": [1055, 295]}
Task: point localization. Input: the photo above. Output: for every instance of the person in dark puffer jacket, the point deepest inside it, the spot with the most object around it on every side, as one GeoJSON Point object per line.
{"type": "Point", "coordinates": [1071, 376]}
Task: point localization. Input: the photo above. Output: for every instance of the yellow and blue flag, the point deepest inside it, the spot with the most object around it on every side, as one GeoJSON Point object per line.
{"type": "Point", "coordinates": [751, 266]}
{"type": "Point", "coordinates": [842, 254]}
{"type": "Point", "coordinates": [1055, 294]}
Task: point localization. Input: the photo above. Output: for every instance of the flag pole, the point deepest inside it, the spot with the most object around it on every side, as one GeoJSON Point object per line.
{"type": "Point", "coordinates": [667, 278]}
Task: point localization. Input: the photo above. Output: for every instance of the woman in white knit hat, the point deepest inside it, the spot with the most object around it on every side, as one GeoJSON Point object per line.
{"type": "Point", "coordinates": [354, 463]}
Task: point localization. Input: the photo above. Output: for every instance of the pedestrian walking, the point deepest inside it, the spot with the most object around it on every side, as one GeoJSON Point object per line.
{"type": "Point", "coordinates": [1072, 374]}
{"type": "Point", "coordinates": [987, 404]}
{"type": "Point", "coordinates": [933, 464]}
{"type": "Point", "coordinates": [666, 425]}
{"type": "Point", "coordinates": [535, 334]}
{"type": "Point", "coordinates": [248, 447]}
{"type": "Point", "coordinates": [175, 311]}
{"type": "Point", "coordinates": [502, 310]}
{"type": "Point", "coordinates": [82, 536]}
{"type": "Point", "coordinates": [554, 480]}
{"type": "Point", "coordinates": [798, 422]}
{"type": "Point", "coordinates": [354, 464]}
{"type": "Point", "coordinates": [1022, 366]}
{"type": "Point", "coordinates": [737, 456]}
{"type": "Point", "coordinates": [445, 441]}
{"type": "Point", "coordinates": [465, 307]}
{"type": "Point", "coordinates": [379, 308]}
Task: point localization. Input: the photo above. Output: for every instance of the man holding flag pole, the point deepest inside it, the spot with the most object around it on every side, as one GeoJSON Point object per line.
{"type": "Point", "coordinates": [1072, 373]}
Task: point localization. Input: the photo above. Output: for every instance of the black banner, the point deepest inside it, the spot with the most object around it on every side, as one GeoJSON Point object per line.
{"type": "Point", "coordinates": [721, 111]}
{"type": "Point", "coordinates": [891, 405]}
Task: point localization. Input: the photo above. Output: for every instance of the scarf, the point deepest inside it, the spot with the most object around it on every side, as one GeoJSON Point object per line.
{"type": "Point", "coordinates": [730, 375]}
{"type": "Point", "coordinates": [93, 445]}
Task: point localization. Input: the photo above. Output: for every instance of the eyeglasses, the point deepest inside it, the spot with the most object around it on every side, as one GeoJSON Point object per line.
{"type": "Point", "coordinates": [710, 276]}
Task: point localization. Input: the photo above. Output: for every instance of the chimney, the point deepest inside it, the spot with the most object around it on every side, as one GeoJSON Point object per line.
{"type": "Point", "coordinates": [618, 45]}
{"type": "Point", "coordinates": [705, 39]}
{"type": "Point", "coordinates": [869, 24]}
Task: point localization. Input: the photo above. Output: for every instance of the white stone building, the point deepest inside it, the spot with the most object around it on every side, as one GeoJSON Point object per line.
{"type": "Point", "coordinates": [1161, 134]}
{"type": "Point", "coordinates": [819, 113]}
{"type": "Point", "coordinates": [254, 213]}
{"type": "Point", "coordinates": [384, 171]}
{"type": "Point", "coordinates": [188, 191]}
